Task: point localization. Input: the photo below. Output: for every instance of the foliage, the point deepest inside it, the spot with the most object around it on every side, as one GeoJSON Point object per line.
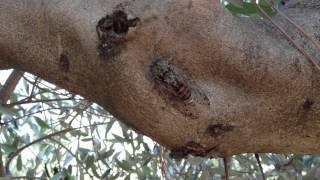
{"type": "Point", "coordinates": [50, 133]}
{"type": "Point", "coordinates": [250, 8]}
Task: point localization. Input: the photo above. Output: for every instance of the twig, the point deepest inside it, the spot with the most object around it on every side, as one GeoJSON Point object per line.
{"type": "Point", "coordinates": [10, 85]}
{"type": "Point", "coordinates": [2, 171]}
{"type": "Point", "coordinates": [45, 90]}
{"type": "Point", "coordinates": [308, 57]}
{"type": "Point", "coordinates": [162, 163]}
{"type": "Point", "coordinates": [35, 101]}
{"type": "Point", "coordinates": [295, 25]}
{"type": "Point", "coordinates": [34, 85]}
{"type": "Point", "coordinates": [226, 168]}
{"type": "Point", "coordinates": [80, 111]}
{"type": "Point", "coordinates": [256, 155]}
{"type": "Point", "coordinates": [72, 154]}
{"type": "Point", "coordinates": [26, 115]}
{"type": "Point", "coordinates": [26, 177]}
{"type": "Point", "coordinates": [96, 151]}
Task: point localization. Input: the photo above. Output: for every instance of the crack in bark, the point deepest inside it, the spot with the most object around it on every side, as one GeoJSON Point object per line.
{"type": "Point", "coordinates": [193, 148]}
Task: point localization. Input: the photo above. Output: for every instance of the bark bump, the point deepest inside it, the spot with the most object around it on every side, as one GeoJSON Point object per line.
{"type": "Point", "coordinates": [111, 31]}
{"type": "Point", "coordinates": [178, 89]}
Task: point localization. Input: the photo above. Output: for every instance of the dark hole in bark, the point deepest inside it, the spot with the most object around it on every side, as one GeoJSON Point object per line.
{"type": "Point", "coordinates": [64, 63]}
{"type": "Point", "coordinates": [191, 147]}
{"type": "Point", "coordinates": [179, 153]}
{"type": "Point", "coordinates": [307, 104]}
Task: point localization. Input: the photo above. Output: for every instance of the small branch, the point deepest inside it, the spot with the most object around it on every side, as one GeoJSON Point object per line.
{"type": "Point", "coordinates": [295, 25]}
{"type": "Point", "coordinates": [80, 111]}
{"type": "Point", "coordinates": [34, 85]}
{"type": "Point", "coordinates": [26, 115]}
{"type": "Point", "coordinates": [35, 101]}
{"type": "Point", "coordinates": [2, 171]}
{"type": "Point", "coordinates": [256, 155]}
{"type": "Point", "coordinates": [26, 177]}
{"type": "Point", "coordinates": [44, 90]}
{"type": "Point", "coordinates": [10, 85]}
{"type": "Point", "coordinates": [162, 163]}
{"type": "Point", "coordinates": [226, 167]}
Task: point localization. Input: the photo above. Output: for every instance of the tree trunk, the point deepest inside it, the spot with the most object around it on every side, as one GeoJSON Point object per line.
{"type": "Point", "coordinates": [186, 73]}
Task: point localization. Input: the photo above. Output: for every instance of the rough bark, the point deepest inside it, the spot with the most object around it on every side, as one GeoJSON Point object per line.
{"type": "Point", "coordinates": [189, 75]}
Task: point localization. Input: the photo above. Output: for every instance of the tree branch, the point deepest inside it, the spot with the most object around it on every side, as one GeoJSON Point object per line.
{"type": "Point", "coordinates": [310, 58]}
{"type": "Point", "coordinates": [256, 155]}
{"type": "Point", "coordinates": [10, 85]}
{"type": "Point", "coordinates": [35, 101]}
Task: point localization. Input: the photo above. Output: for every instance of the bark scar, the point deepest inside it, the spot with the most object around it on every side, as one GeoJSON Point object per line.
{"type": "Point", "coordinates": [64, 63]}
{"type": "Point", "coordinates": [111, 31]}
{"type": "Point", "coordinates": [308, 104]}
{"type": "Point", "coordinates": [191, 147]}
{"type": "Point", "coordinates": [219, 129]}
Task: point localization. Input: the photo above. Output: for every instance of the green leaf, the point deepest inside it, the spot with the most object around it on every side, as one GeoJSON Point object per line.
{"type": "Point", "coordinates": [8, 148]}
{"type": "Point", "coordinates": [60, 175]}
{"type": "Point", "coordinates": [89, 161]}
{"type": "Point", "coordinates": [106, 173]}
{"type": "Point", "coordinates": [108, 127]}
{"type": "Point", "coordinates": [105, 155]}
{"type": "Point", "coordinates": [127, 177]}
{"type": "Point", "coordinates": [26, 86]}
{"type": "Point", "coordinates": [238, 3]}
{"type": "Point", "coordinates": [70, 169]}
{"type": "Point", "coordinates": [124, 165]}
{"type": "Point", "coordinates": [77, 133]}
{"type": "Point", "coordinates": [41, 123]}
{"type": "Point", "coordinates": [83, 153]}
{"type": "Point", "coordinates": [96, 143]}
{"type": "Point", "coordinates": [19, 163]}
{"type": "Point", "coordinates": [250, 9]}
{"type": "Point", "coordinates": [247, 9]}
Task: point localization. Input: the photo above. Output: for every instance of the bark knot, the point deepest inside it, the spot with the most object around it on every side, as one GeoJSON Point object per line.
{"type": "Point", "coordinates": [111, 31]}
